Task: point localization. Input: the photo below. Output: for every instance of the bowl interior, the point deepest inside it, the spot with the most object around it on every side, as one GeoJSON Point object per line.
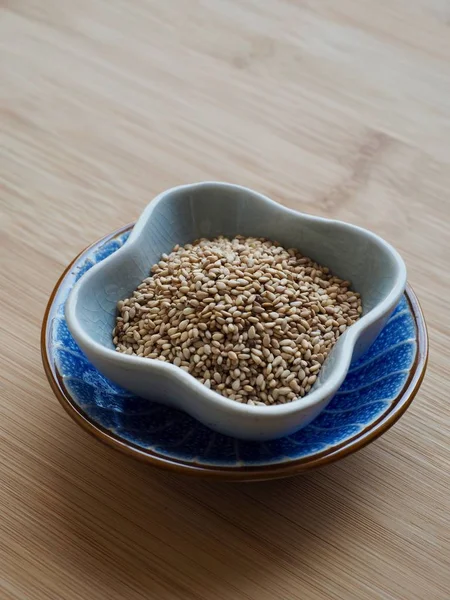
{"type": "Point", "coordinates": [206, 210]}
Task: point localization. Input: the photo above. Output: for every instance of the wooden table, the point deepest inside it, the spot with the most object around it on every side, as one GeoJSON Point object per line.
{"type": "Point", "coordinates": [341, 109]}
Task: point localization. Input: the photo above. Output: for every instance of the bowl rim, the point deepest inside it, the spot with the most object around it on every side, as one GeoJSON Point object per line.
{"type": "Point", "coordinates": [264, 413]}
{"type": "Point", "coordinates": [236, 473]}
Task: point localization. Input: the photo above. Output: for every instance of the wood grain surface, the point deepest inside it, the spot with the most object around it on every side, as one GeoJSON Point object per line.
{"type": "Point", "coordinates": [341, 109]}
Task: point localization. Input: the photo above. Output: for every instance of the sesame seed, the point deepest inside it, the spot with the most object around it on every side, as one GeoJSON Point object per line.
{"type": "Point", "coordinates": [246, 317]}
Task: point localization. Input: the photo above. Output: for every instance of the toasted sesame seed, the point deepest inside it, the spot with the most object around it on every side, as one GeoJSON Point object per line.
{"type": "Point", "coordinates": [276, 361]}
{"type": "Point", "coordinates": [248, 318]}
{"type": "Point", "coordinates": [236, 384]}
{"type": "Point", "coordinates": [260, 380]}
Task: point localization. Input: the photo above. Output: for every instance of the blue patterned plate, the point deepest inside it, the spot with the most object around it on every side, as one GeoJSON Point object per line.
{"type": "Point", "coordinates": [378, 389]}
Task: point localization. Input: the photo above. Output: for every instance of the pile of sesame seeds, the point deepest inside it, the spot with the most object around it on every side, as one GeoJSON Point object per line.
{"type": "Point", "coordinates": [248, 318]}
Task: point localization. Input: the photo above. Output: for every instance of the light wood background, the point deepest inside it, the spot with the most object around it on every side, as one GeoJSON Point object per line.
{"type": "Point", "coordinates": [339, 108]}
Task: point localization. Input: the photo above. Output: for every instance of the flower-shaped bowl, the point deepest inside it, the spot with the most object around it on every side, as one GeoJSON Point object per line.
{"type": "Point", "coordinates": [183, 214]}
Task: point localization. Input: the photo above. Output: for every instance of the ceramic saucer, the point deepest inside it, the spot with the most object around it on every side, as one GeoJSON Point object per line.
{"type": "Point", "coordinates": [376, 392]}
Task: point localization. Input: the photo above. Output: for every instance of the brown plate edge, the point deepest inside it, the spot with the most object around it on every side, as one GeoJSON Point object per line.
{"type": "Point", "coordinates": [275, 471]}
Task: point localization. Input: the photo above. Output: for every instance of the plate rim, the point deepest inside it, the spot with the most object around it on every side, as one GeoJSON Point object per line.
{"type": "Point", "coordinates": [237, 473]}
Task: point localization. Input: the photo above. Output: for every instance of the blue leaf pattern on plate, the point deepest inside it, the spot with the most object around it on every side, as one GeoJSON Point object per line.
{"type": "Point", "coordinates": [372, 384]}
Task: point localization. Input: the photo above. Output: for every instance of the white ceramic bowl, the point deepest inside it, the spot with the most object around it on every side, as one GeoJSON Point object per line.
{"type": "Point", "coordinates": [183, 214]}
